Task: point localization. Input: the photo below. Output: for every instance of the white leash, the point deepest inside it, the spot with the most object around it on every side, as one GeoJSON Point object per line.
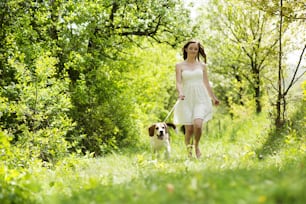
{"type": "Point", "coordinates": [171, 110]}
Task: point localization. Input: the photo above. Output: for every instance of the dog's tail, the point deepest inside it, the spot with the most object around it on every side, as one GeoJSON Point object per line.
{"type": "Point", "coordinates": [172, 125]}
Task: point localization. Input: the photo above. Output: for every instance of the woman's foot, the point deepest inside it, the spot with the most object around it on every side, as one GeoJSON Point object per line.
{"type": "Point", "coordinates": [189, 150]}
{"type": "Point", "coordinates": [198, 153]}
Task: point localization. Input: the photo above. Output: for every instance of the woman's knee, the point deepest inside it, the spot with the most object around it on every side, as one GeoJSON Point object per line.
{"type": "Point", "coordinates": [189, 129]}
{"type": "Point", "coordinates": [198, 123]}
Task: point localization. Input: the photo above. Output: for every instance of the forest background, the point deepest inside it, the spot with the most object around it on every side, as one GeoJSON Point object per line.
{"type": "Point", "coordinates": [86, 78]}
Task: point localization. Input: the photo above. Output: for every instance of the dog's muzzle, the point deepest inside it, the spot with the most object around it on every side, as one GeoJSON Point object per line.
{"type": "Point", "coordinates": [160, 135]}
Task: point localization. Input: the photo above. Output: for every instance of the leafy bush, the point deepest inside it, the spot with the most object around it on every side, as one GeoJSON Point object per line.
{"type": "Point", "coordinates": [37, 118]}
{"type": "Point", "coordinates": [13, 175]}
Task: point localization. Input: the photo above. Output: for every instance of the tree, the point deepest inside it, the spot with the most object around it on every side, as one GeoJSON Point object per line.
{"type": "Point", "coordinates": [88, 40]}
{"type": "Point", "coordinates": [290, 16]}
{"type": "Point", "coordinates": [108, 30]}
{"type": "Point", "coordinates": [242, 44]}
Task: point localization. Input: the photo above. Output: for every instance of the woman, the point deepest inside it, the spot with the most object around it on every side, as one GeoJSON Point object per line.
{"type": "Point", "coordinates": [195, 94]}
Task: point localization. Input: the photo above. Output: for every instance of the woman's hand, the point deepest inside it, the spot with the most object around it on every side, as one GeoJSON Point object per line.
{"type": "Point", "coordinates": [216, 101]}
{"type": "Point", "coordinates": [181, 96]}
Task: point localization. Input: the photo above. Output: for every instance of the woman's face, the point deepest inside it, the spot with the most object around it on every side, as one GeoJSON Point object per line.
{"type": "Point", "coordinates": [192, 49]}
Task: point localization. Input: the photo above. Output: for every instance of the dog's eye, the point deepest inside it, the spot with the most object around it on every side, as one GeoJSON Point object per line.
{"type": "Point", "coordinates": [156, 128]}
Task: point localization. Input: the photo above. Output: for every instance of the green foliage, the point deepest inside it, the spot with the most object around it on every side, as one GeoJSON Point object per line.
{"type": "Point", "coordinates": [291, 9]}
{"type": "Point", "coordinates": [38, 119]}
{"type": "Point", "coordinates": [102, 114]}
{"type": "Point", "coordinates": [227, 186]}
{"type": "Point", "coordinates": [242, 50]}
{"type": "Point", "coordinates": [87, 41]}
{"type": "Point", "coordinates": [293, 133]}
{"type": "Point", "coordinates": [14, 175]}
{"type": "Point", "coordinates": [127, 102]}
{"type": "Point", "coordinates": [90, 76]}
{"type": "Point", "coordinates": [229, 172]}
{"type": "Point", "coordinates": [104, 107]}
{"type": "Point", "coordinates": [304, 90]}
{"type": "Point", "coordinates": [154, 92]}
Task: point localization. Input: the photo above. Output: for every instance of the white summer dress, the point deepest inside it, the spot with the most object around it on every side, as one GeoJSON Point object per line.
{"type": "Point", "coordinates": [197, 103]}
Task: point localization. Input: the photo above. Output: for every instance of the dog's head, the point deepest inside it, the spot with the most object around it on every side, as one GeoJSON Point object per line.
{"type": "Point", "coordinates": [160, 129]}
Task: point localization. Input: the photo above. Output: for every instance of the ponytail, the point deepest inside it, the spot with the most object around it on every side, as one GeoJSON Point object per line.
{"type": "Point", "coordinates": [202, 52]}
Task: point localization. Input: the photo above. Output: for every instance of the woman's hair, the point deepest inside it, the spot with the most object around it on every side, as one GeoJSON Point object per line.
{"type": "Point", "coordinates": [201, 50]}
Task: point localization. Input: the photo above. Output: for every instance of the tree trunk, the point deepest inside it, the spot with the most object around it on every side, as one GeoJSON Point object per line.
{"type": "Point", "coordinates": [278, 119]}
{"type": "Point", "coordinates": [257, 99]}
{"type": "Point", "coordinates": [257, 90]}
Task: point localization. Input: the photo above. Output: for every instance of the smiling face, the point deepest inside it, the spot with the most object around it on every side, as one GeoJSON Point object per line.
{"type": "Point", "coordinates": [191, 50]}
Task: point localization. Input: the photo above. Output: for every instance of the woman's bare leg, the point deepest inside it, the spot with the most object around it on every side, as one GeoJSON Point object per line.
{"type": "Point", "coordinates": [188, 136]}
{"type": "Point", "coordinates": [198, 123]}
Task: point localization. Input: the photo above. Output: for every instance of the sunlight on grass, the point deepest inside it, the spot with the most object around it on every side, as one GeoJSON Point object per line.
{"type": "Point", "coordinates": [230, 171]}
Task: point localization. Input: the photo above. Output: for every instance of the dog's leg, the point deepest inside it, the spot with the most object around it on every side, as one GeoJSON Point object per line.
{"type": "Point", "coordinates": [155, 154]}
{"type": "Point", "coordinates": [168, 150]}
{"type": "Point", "coordinates": [167, 153]}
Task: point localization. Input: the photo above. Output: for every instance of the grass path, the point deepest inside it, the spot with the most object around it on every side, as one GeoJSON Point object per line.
{"type": "Point", "coordinates": [230, 171]}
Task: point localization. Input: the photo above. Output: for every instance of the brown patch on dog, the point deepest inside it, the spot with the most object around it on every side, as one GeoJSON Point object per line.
{"type": "Point", "coordinates": [153, 127]}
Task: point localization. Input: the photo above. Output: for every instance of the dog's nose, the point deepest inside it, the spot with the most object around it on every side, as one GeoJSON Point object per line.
{"type": "Point", "coordinates": [161, 132]}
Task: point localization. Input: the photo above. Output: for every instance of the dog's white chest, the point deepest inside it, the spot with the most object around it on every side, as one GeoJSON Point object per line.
{"type": "Point", "coordinates": [158, 144]}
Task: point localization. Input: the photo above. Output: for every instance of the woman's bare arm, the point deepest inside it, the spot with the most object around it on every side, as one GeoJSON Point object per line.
{"type": "Point", "coordinates": [179, 86]}
{"type": "Point", "coordinates": [207, 85]}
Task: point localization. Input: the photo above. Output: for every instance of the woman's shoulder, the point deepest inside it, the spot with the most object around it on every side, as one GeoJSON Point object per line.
{"type": "Point", "coordinates": [203, 65]}
{"type": "Point", "coordinates": [179, 65]}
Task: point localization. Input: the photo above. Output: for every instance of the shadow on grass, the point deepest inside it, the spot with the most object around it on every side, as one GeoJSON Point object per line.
{"type": "Point", "coordinates": [294, 127]}
{"type": "Point", "coordinates": [273, 144]}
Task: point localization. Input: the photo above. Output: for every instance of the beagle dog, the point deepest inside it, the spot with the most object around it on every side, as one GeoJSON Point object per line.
{"type": "Point", "coordinates": [160, 139]}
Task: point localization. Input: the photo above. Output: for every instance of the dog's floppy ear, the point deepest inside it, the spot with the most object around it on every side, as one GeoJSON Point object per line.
{"type": "Point", "coordinates": [151, 130]}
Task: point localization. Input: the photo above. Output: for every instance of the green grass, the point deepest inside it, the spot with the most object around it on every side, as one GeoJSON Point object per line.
{"type": "Point", "coordinates": [230, 171]}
